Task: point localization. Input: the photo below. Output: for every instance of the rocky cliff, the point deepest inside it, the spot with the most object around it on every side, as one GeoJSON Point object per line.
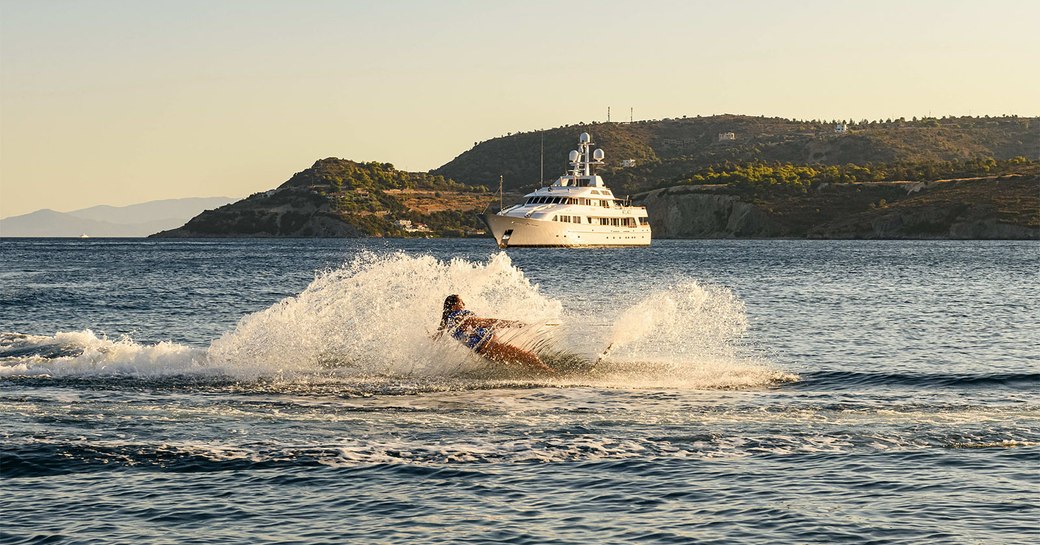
{"type": "Point", "coordinates": [983, 208]}
{"type": "Point", "coordinates": [705, 213]}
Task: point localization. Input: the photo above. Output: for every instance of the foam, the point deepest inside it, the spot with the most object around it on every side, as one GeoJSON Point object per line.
{"type": "Point", "coordinates": [375, 319]}
{"type": "Point", "coordinates": [378, 315]}
{"type": "Point", "coordinates": [83, 353]}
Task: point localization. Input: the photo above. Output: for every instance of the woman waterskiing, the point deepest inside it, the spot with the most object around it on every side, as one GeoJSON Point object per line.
{"type": "Point", "coordinates": [478, 335]}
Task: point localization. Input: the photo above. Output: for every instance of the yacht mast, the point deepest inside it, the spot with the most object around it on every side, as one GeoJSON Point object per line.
{"type": "Point", "coordinates": [541, 159]}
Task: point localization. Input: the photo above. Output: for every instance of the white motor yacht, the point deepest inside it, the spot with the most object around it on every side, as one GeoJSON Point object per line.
{"type": "Point", "coordinates": [576, 210]}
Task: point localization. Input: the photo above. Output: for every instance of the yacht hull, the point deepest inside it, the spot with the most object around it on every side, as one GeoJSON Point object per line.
{"type": "Point", "coordinates": [512, 232]}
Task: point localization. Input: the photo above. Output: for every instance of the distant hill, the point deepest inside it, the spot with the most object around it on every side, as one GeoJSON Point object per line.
{"type": "Point", "coordinates": [768, 177]}
{"type": "Point", "coordinates": [137, 220]}
{"type": "Point", "coordinates": [671, 149]}
{"type": "Point", "coordinates": [343, 198]}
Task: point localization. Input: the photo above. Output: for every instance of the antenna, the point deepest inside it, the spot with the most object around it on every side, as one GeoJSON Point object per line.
{"type": "Point", "coordinates": [541, 173]}
{"type": "Point", "coordinates": [630, 110]}
{"type": "Point", "coordinates": [500, 205]}
{"type": "Point", "coordinates": [608, 114]}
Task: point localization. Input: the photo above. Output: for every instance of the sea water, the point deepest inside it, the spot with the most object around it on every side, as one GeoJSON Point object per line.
{"type": "Point", "coordinates": [295, 391]}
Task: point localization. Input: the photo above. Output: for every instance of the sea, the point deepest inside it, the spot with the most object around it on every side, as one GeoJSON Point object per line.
{"type": "Point", "coordinates": [707, 391]}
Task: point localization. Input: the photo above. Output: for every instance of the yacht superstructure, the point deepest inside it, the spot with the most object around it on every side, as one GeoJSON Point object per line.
{"type": "Point", "coordinates": [576, 210]}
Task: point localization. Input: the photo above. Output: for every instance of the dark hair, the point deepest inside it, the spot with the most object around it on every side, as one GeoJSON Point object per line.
{"type": "Point", "coordinates": [449, 304]}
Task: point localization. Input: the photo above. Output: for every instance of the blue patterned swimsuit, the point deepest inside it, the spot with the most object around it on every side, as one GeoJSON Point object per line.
{"type": "Point", "coordinates": [475, 337]}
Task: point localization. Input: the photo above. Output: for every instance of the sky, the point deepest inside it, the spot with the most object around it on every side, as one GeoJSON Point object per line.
{"type": "Point", "coordinates": [121, 102]}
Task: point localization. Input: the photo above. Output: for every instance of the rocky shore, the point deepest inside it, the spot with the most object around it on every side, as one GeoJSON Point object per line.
{"type": "Point", "coordinates": [981, 208]}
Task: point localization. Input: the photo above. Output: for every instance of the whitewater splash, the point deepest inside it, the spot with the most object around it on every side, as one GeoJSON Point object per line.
{"type": "Point", "coordinates": [377, 316]}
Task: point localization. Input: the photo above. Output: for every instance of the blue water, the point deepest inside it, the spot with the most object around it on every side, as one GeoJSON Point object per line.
{"type": "Point", "coordinates": [290, 391]}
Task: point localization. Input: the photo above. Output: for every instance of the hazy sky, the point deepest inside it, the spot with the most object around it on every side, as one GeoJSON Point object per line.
{"type": "Point", "coordinates": [119, 102]}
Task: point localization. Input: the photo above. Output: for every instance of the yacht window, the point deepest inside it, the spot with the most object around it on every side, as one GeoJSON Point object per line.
{"type": "Point", "coordinates": [604, 203]}
{"type": "Point", "coordinates": [644, 221]}
{"type": "Point", "coordinates": [554, 218]}
{"type": "Point", "coordinates": [557, 200]}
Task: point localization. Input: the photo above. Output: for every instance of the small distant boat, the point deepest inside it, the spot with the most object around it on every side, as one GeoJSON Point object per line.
{"type": "Point", "coordinates": [576, 210]}
{"type": "Point", "coordinates": [84, 235]}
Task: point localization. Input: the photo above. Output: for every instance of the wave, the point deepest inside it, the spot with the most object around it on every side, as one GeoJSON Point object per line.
{"type": "Point", "coordinates": [854, 379]}
{"type": "Point", "coordinates": [375, 319]}
{"type": "Point", "coordinates": [38, 457]}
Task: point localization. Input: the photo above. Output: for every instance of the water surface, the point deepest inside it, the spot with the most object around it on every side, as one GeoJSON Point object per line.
{"type": "Point", "coordinates": [274, 391]}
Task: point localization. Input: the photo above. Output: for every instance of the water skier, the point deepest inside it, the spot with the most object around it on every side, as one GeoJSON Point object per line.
{"type": "Point", "coordinates": [478, 334]}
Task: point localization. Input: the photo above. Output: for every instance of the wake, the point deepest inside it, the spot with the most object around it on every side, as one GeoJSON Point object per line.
{"type": "Point", "coordinates": [374, 320]}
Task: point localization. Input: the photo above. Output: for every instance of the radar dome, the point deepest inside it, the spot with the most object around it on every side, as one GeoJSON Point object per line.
{"type": "Point", "coordinates": [598, 155]}
{"type": "Point", "coordinates": [584, 137]}
{"type": "Point", "coordinates": [573, 156]}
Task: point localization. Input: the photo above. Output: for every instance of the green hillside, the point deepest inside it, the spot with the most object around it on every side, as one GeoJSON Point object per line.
{"type": "Point", "coordinates": [673, 149]}
{"type": "Point", "coordinates": [342, 198]}
{"type": "Point", "coordinates": [928, 178]}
